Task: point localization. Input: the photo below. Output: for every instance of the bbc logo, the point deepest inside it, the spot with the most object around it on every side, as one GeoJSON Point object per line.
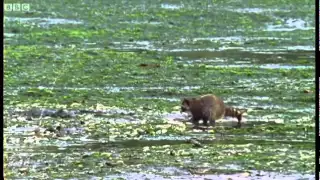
{"type": "Point", "coordinates": [16, 7]}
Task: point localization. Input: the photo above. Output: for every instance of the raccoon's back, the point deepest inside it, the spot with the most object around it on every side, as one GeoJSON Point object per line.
{"type": "Point", "coordinates": [213, 106]}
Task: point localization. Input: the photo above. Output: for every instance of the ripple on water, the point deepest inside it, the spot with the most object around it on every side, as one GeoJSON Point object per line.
{"type": "Point", "coordinates": [141, 22]}
{"type": "Point", "coordinates": [185, 175]}
{"type": "Point", "coordinates": [43, 21]}
{"type": "Point", "coordinates": [242, 49]}
{"type": "Point", "coordinates": [112, 89]}
{"type": "Point", "coordinates": [171, 6]}
{"type": "Point", "coordinates": [289, 25]}
{"type": "Point", "coordinates": [229, 39]}
{"type": "Point", "coordinates": [267, 66]}
{"type": "Point", "coordinates": [256, 10]}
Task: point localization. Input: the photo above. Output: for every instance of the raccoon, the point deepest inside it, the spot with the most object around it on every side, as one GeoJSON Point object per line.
{"type": "Point", "coordinates": [209, 108]}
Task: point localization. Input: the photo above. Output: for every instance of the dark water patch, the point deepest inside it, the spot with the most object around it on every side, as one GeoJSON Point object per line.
{"type": "Point", "coordinates": [206, 139]}
{"type": "Point", "coordinates": [261, 56]}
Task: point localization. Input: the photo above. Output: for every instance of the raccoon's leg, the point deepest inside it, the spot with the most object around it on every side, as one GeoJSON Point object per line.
{"type": "Point", "coordinates": [213, 122]}
{"type": "Point", "coordinates": [195, 122]}
{"type": "Point", "coordinates": [239, 122]}
{"type": "Point", "coordinates": [207, 116]}
{"type": "Point", "coordinates": [205, 122]}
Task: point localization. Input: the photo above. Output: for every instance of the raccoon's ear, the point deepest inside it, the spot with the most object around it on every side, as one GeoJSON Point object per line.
{"type": "Point", "coordinates": [243, 111]}
{"type": "Point", "coordinates": [186, 100]}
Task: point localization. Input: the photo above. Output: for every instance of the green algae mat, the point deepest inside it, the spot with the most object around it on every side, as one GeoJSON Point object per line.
{"type": "Point", "coordinates": [92, 89]}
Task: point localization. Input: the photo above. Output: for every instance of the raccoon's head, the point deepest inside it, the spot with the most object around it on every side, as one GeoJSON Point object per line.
{"type": "Point", "coordinates": [186, 103]}
{"type": "Point", "coordinates": [240, 112]}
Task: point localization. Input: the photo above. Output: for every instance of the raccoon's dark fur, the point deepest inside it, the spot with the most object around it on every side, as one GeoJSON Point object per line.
{"type": "Point", "coordinates": [209, 108]}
